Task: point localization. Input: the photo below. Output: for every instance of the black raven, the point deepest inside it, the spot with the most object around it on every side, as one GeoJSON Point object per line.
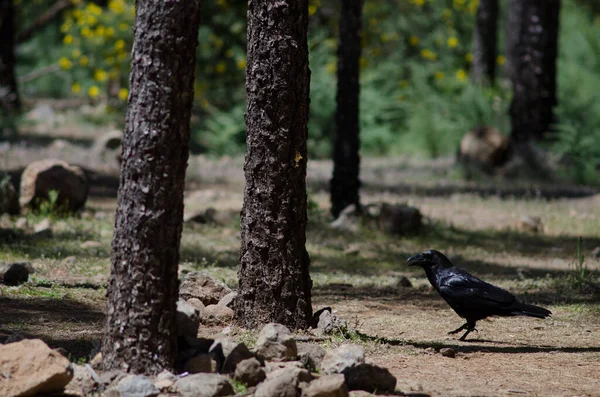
{"type": "Point", "coordinates": [470, 297]}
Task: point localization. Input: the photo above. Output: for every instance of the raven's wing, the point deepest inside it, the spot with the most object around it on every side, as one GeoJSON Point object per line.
{"type": "Point", "coordinates": [462, 289]}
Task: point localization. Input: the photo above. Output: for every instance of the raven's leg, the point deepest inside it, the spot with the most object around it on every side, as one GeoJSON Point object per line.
{"type": "Point", "coordinates": [470, 325]}
{"type": "Point", "coordinates": [456, 331]}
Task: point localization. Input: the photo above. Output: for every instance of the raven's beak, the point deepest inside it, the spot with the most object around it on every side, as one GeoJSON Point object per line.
{"type": "Point", "coordinates": [415, 260]}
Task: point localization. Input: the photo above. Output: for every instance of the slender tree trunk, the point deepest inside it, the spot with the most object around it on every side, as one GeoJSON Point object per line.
{"type": "Point", "coordinates": [485, 42]}
{"type": "Point", "coordinates": [9, 96]}
{"type": "Point", "coordinates": [274, 281]}
{"type": "Point", "coordinates": [345, 184]}
{"type": "Point", "coordinates": [534, 70]}
{"type": "Point", "coordinates": [143, 288]}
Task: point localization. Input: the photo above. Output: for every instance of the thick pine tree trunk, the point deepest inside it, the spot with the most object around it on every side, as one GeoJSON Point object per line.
{"type": "Point", "coordinates": [143, 288]}
{"type": "Point", "coordinates": [485, 39]}
{"type": "Point", "coordinates": [345, 183]}
{"type": "Point", "coordinates": [533, 68]}
{"type": "Point", "coordinates": [274, 282]}
{"type": "Point", "coordinates": [512, 34]}
{"type": "Point", "coordinates": [9, 96]}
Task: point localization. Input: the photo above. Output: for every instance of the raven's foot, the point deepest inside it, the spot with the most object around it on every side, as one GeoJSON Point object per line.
{"type": "Point", "coordinates": [469, 329]}
{"type": "Point", "coordinates": [456, 331]}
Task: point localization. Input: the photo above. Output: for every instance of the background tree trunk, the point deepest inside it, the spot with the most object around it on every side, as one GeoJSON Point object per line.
{"type": "Point", "coordinates": [345, 184]}
{"type": "Point", "coordinates": [485, 42]}
{"type": "Point", "coordinates": [274, 281]}
{"type": "Point", "coordinates": [512, 34]}
{"type": "Point", "coordinates": [143, 287]}
{"type": "Point", "coordinates": [534, 70]}
{"type": "Point", "coordinates": [9, 96]}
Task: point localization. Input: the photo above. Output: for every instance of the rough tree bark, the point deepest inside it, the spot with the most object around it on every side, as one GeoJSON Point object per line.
{"type": "Point", "coordinates": [274, 282]}
{"type": "Point", "coordinates": [345, 184]}
{"type": "Point", "coordinates": [512, 34]}
{"type": "Point", "coordinates": [143, 288]}
{"type": "Point", "coordinates": [533, 69]}
{"type": "Point", "coordinates": [9, 96]}
{"type": "Point", "coordinates": [485, 39]}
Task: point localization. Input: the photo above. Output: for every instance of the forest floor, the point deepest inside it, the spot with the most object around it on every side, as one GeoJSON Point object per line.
{"type": "Point", "coordinates": [474, 223]}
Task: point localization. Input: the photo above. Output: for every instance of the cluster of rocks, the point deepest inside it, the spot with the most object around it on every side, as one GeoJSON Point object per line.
{"type": "Point", "coordinates": [204, 299]}
{"type": "Point", "coordinates": [395, 219]}
{"type": "Point", "coordinates": [276, 367]}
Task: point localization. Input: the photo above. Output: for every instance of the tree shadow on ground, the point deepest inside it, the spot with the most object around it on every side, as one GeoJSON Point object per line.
{"type": "Point", "coordinates": [66, 323]}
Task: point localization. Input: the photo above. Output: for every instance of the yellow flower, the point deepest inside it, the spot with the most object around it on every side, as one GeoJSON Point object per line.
{"type": "Point", "coordinates": [452, 42]}
{"type": "Point", "coordinates": [116, 6]}
{"type": "Point", "coordinates": [501, 60]}
{"type": "Point", "coordinates": [76, 88]}
{"type": "Point", "coordinates": [93, 91]}
{"type": "Point", "coordinates": [447, 13]}
{"type": "Point", "coordinates": [64, 63]}
{"type": "Point", "coordinates": [459, 4]}
{"type": "Point", "coordinates": [65, 27]}
{"type": "Point", "coordinates": [241, 64]}
{"type": "Point", "coordinates": [119, 44]}
{"type": "Point", "coordinates": [331, 67]}
{"type": "Point", "coordinates": [91, 20]}
{"type": "Point", "coordinates": [220, 68]}
{"type": "Point", "coordinates": [87, 32]}
{"type": "Point", "coordinates": [100, 31]}
{"type": "Point", "coordinates": [403, 83]}
{"type": "Point", "coordinates": [100, 75]}
{"type": "Point", "coordinates": [461, 75]}
{"type": "Point", "coordinates": [312, 10]}
{"type": "Point", "coordinates": [413, 40]}
{"type": "Point", "coordinates": [109, 32]}
{"type": "Point", "coordinates": [469, 57]}
{"type": "Point", "coordinates": [123, 93]}
{"type": "Point", "coordinates": [428, 54]}
{"type": "Point", "coordinates": [123, 26]}
{"type": "Point", "coordinates": [83, 61]}
{"type": "Point", "coordinates": [76, 53]}
{"type": "Point", "coordinates": [419, 2]}
{"type": "Point", "coordinates": [68, 39]}
{"type": "Point", "coordinates": [439, 75]}
{"type": "Point", "coordinates": [93, 9]}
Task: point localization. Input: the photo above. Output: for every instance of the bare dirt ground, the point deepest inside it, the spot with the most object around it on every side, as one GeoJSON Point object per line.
{"type": "Point", "coordinates": [402, 329]}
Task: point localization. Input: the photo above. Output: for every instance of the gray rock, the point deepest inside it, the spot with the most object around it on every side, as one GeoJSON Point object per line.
{"type": "Point", "coordinates": [228, 300]}
{"type": "Point", "coordinates": [137, 386]}
{"type": "Point", "coordinates": [327, 386]}
{"type": "Point", "coordinates": [596, 252]}
{"type": "Point", "coordinates": [400, 219]}
{"type": "Point", "coordinates": [188, 319]}
{"type": "Point", "coordinates": [201, 363]}
{"type": "Point", "coordinates": [204, 385]}
{"type": "Point", "coordinates": [285, 382]}
{"type": "Point", "coordinates": [448, 352]}
{"type": "Point", "coordinates": [217, 315]}
{"type": "Point", "coordinates": [15, 273]}
{"type": "Point", "coordinates": [531, 224]}
{"type": "Point", "coordinates": [329, 322]}
{"type": "Point", "coordinates": [82, 383]}
{"type": "Point", "coordinates": [311, 355]}
{"type": "Point", "coordinates": [21, 223]}
{"type": "Point", "coordinates": [43, 229]}
{"type": "Point", "coordinates": [197, 303]}
{"type": "Point", "coordinates": [348, 220]}
{"type": "Point", "coordinates": [228, 354]}
{"type": "Point", "coordinates": [349, 360]}
{"type": "Point", "coordinates": [250, 372]}
{"type": "Point", "coordinates": [275, 342]}
{"type": "Point", "coordinates": [203, 286]}
{"type": "Point", "coordinates": [164, 380]}
{"type": "Point", "coordinates": [91, 244]}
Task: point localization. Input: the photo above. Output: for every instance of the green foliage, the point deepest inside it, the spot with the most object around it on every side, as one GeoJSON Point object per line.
{"type": "Point", "coordinates": [579, 275]}
{"type": "Point", "coordinates": [416, 96]}
{"type": "Point", "coordinates": [238, 386]}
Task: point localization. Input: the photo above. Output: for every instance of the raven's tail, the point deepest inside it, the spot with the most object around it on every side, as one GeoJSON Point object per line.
{"type": "Point", "coordinates": [523, 309]}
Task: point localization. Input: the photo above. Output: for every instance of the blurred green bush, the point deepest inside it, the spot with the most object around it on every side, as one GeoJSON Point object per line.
{"type": "Point", "coordinates": [416, 96]}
